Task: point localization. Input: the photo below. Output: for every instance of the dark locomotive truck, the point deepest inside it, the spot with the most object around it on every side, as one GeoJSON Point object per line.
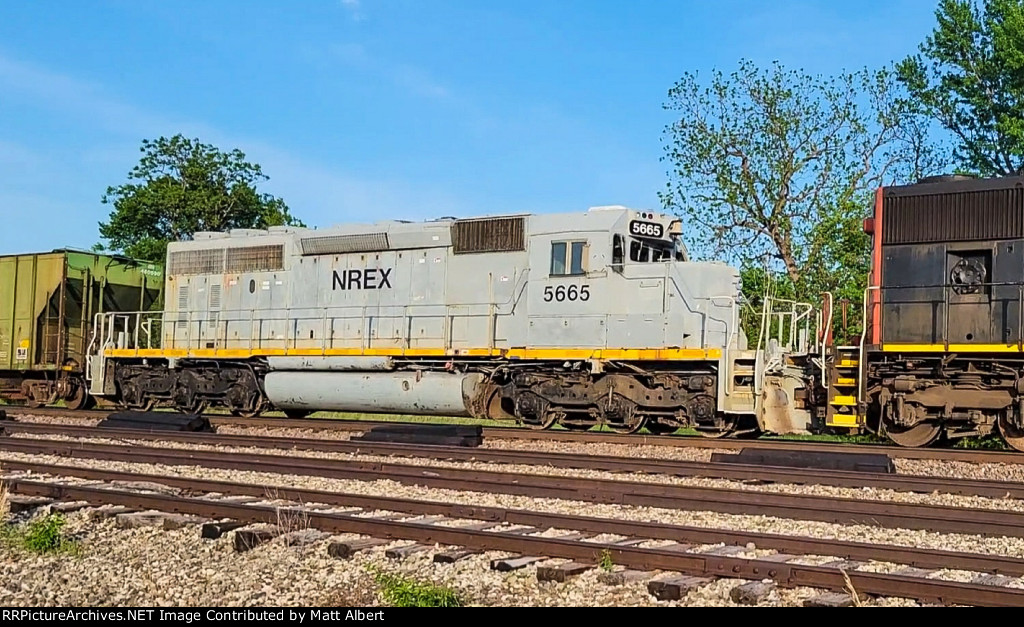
{"type": "Point", "coordinates": [944, 342]}
{"type": "Point", "coordinates": [48, 303]}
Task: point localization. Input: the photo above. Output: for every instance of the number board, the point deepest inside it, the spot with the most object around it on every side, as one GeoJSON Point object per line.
{"type": "Point", "coordinates": [646, 229]}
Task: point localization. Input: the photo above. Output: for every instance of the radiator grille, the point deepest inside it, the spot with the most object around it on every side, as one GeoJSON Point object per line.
{"type": "Point", "coordinates": [255, 258]}
{"type": "Point", "coordinates": [334, 244]}
{"type": "Point", "coordinates": [488, 235]}
{"type": "Point", "coordinates": [967, 215]}
{"type": "Point", "coordinates": [197, 262]}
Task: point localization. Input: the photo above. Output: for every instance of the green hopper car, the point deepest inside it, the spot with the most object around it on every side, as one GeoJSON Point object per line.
{"type": "Point", "coordinates": [48, 304]}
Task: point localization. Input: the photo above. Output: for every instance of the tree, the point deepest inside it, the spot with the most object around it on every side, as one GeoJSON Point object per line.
{"type": "Point", "coordinates": [773, 169]}
{"type": "Point", "coordinates": [970, 78]}
{"type": "Point", "coordinates": [181, 186]}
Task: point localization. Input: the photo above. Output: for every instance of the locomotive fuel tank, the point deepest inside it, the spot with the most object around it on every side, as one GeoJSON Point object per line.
{"type": "Point", "coordinates": [415, 392]}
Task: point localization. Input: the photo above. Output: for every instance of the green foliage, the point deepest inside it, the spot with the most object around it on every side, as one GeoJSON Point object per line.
{"type": "Point", "coordinates": [181, 186]}
{"type": "Point", "coordinates": [606, 563]}
{"type": "Point", "coordinates": [969, 76]}
{"type": "Point", "coordinates": [402, 591]}
{"type": "Point", "coordinates": [41, 535]}
{"type": "Point", "coordinates": [987, 443]}
{"type": "Point", "coordinates": [774, 170]}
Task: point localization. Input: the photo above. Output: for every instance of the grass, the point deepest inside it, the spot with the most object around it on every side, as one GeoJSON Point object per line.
{"type": "Point", "coordinates": [42, 536]}
{"type": "Point", "coordinates": [987, 443]}
{"type": "Point", "coordinates": [866, 438]}
{"type": "Point", "coordinates": [605, 562]}
{"type": "Point", "coordinates": [402, 591]}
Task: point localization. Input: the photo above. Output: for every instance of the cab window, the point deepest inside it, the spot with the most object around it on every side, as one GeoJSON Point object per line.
{"type": "Point", "coordinates": [618, 250]}
{"type": "Point", "coordinates": [645, 251]}
{"type": "Point", "coordinates": [639, 251]}
{"type": "Point", "coordinates": [568, 258]}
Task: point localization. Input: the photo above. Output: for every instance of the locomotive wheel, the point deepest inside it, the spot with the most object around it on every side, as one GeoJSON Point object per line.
{"type": "Point", "coordinates": [921, 434]}
{"type": "Point", "coordinates": [1013, 434]}
{"type": "Point", "coordinates": [635, 423]}
{"type": "Point", "coordinates": [197, 406]}
{"type": "Point", "coordinates": [549, 419]}
{"type": "Point", "coordinates": [726, 425]}
{"type": "Point", "coordinates": [246, 413]}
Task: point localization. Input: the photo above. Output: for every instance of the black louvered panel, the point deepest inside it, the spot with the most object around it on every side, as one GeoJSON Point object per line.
{"type": "Point", "coordinates": [255, 258]}
{"type": "Point", "coordinates": [197, 262]}
{"type": "Point", "coordinates": [354, 243]}
{"type": "Point", "coordinates": [955, 216]}
{"type": "Point", "coordinates": [488, 235]}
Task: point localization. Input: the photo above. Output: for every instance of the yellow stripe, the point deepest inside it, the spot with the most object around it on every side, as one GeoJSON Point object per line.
{"type": "Point", "coordinates": [848, 363]}
{"type": "Point", "coordinates": [631, 354]}
{"type": "Point", "coordinates": [846, 381]}
{"type": "Point", "coordinates": [844, 420]}
{"type": "Point", "coordinates": [844, 401]}
{"type": "Point", "coordinates": [953, 348]}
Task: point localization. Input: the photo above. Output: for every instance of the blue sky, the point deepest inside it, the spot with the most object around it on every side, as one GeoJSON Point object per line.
{"type": "Point", "coordinates": [372, 109]}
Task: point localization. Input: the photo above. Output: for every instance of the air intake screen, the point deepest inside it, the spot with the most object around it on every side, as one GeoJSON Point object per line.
{"type": "Point", "coordinates": [488, 235]}
{"type": "Point", "coordinates": [956, 216]}
{"type": "Point", "coordinates": [255, 258]}
{"type": "Point", "coordinates": [332, 244]}
{"type": "Point", "coordinates": [197, 262]}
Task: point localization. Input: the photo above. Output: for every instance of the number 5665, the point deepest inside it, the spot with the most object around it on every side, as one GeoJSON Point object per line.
{"type": "Point", "coordinates": [562, 293]}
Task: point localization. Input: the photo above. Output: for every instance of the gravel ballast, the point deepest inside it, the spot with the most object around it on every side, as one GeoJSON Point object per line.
{"type": "Point", "coordinates": [147, 566]}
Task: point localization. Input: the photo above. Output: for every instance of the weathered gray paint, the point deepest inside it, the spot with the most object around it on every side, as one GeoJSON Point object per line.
{"type": "Point", "coordinates": [440, 300]}
{"type": "Point", "coordinates": [430, 393]}
{"type": "Point", "coordinates": [359, 362]}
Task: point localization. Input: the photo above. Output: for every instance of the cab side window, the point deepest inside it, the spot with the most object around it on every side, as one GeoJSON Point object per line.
{"type": "Point", "coordinates": [618, 251]}
{"type": "Point", "coordinates": [639, 251]}
{"type": "Point", "coordinates": [568, 258]}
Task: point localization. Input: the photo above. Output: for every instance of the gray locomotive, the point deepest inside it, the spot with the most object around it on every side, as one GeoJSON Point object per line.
{"type": "Point", "coordinates": [577, 319]}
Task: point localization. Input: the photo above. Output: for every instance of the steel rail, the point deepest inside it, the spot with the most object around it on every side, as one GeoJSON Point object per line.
{"type": "Point", "coordinates": [590, 437]}
{"type": "Point", "coordinates": [923, 558]}
{"type": "Point", "coordinates": [611, 463]}
{"type": "Point", "coordinates": [788, 575]}
{"type": "Point", "coordinates": [732, 501]}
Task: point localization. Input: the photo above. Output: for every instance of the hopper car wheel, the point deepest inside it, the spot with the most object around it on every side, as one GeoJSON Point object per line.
{"type": "Point", "coordinates": [30, 399]}
{"type": "Point", "coordinates": [79, 399]}
{"type": "Point", "coordinates": [1013, 434]}
{"type": "Point", "coordinates": [921, 434]}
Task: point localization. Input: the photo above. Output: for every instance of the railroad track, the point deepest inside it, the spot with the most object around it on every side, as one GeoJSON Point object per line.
{"type": "Point", "coordinates": [609, 463]}
{"type": "Point", "coordinates": [596, 437]}
{"type": "Point", "coordinates": [646, 494]}
{"type": "Point", "coordinates": [196, 497]}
